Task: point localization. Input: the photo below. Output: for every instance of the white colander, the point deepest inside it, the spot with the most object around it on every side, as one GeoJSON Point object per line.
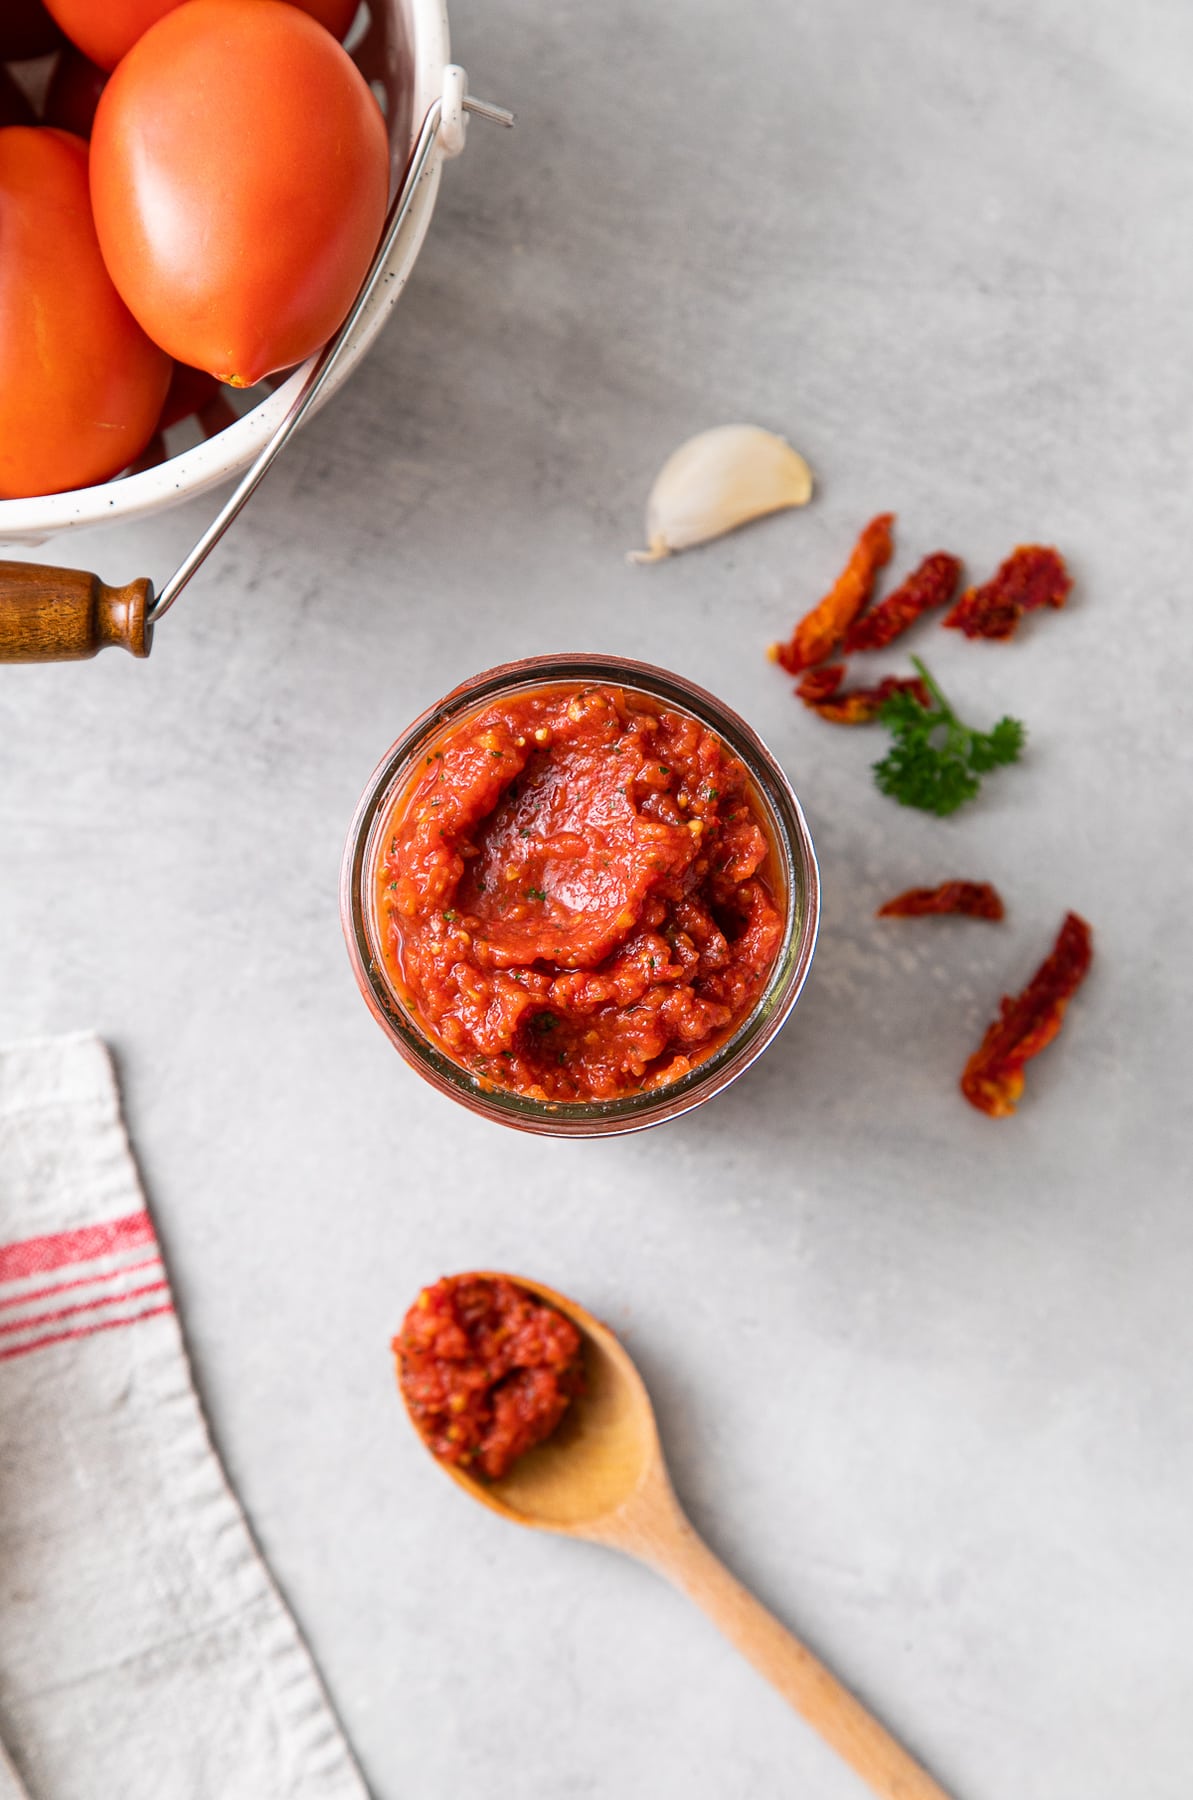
{"type": "Point", "coordinates": [402, 47]}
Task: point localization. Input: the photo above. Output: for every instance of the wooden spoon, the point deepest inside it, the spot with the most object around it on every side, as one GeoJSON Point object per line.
{"type": "Point", "coordinates": [601, 1476]}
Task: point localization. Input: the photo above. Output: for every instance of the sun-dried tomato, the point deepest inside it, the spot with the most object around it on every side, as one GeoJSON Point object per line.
{"type": "Point", "coordinates": [856, 706]}
{"type": "Point", "coordinates": [820, 631]}
{"type": "Point", "coordinates": [973, 899]}
{"type": "Point", "coordinates": [1032, 576]}
{"type": "Point", "coordinates": [932, 584]}
{"type": "Point", "coordinates": [993, 1077]}
{"type": "Point", "coordinates": [819, 684]}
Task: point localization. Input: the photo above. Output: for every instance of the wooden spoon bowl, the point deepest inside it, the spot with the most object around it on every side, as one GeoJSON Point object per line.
{"type": "Point", "coordinates": [602, 1476]}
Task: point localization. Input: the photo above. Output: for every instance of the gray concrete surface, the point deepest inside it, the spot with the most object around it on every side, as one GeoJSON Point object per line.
{"type": "Point", "coordinates": [923, 1377]}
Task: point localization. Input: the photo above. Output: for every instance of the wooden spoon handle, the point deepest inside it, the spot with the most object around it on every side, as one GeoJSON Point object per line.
{"type": "Point", "coordinates": [65, 615]}
{"type": "Point", "coordinates": [803, 1681]}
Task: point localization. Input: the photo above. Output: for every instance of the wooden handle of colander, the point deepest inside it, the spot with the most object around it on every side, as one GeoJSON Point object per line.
{"type": "Point", "coordinates": [66, 615]}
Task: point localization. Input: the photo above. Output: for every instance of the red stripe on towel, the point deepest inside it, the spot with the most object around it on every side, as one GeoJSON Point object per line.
{"type": "Point", "coordinates": [82, 1331]}
{"type": "Point", "coordinates": [66, 1312]}
{"type": "Point", "coordinates": [62, 1287]}
{"type": "Point", "coordinates": [37, 1256]}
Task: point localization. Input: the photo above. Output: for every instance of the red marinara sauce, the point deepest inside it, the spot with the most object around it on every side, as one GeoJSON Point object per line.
{"type": "Point", "coordinates": [576, 894]}
{"type": "Point", "coordinates": [487, 1370]}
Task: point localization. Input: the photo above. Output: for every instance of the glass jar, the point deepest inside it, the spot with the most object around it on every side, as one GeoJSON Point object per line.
{"type": "Point", "coordinates": [794, 878]}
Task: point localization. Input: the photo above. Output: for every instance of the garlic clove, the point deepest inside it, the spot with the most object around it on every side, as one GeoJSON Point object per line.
{"type": "Point", "coordinates": [719, 480]}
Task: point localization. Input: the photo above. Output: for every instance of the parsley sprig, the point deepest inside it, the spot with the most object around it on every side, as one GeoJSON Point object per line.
{"type": "Point", "coordinates": [936, 763]}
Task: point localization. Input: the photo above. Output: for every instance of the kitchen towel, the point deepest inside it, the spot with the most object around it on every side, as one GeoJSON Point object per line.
{"type": "Point", "coordinates": [145, 1653]}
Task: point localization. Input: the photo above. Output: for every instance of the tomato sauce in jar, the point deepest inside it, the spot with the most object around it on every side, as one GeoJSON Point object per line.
{"type": "Point", "coordinates": [487, 1370]}
{"type": "Point", "coordinates": [575, 893]}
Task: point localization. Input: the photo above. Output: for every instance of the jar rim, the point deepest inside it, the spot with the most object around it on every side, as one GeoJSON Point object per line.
{"type": "Point", "coordinates": [790, 839]}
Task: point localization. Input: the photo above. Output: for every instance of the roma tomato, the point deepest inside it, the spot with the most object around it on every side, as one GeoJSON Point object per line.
{"type": "Point", "coordinates": [190, 391]}
{"type": "Point", "coordinates": [106, 30]}
{"type": "Point", "coordinates": [239, 172]}
{"type": "Point", "coordinates": [73, 93]}
{"type": "Point", "coordinates": [81, 385]}
{"type": "Point", "coordinates": [26, 29]}
{"type": "Point", "coordinates": [337, 15]}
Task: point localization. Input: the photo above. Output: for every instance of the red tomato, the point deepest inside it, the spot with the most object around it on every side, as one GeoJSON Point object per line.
{"type": "Point", "coordinates": [80, 384]}
{"type": "Point", "coordinates": [196, 395]}
{"type": "Point", "coordinates": [14, 107]}
{"type": "Point", "coordinates": [190, 391]}
{"type": "Point", "coordinates": [106, 30]}
{"type": "Point", "coordinates": [26, 29]}
{"type": "Point", "coordinates": [239, 171]}
{"type": "Point", "coordinates": [73, 93]}
{"type": "Point", "coordinates": [337, 15]}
